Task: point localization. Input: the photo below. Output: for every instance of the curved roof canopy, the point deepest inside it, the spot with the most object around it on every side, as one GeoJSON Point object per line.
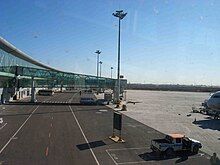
{"type": "Point", "coordinates": [9, 48]}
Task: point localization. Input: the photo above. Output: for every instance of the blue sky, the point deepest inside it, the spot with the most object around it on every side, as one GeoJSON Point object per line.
{"type": "Point", "coordinates": [176, 42]}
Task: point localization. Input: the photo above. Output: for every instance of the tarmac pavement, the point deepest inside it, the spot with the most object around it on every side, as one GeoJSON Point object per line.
{"type": "Point", "coordinates": [76, 134]}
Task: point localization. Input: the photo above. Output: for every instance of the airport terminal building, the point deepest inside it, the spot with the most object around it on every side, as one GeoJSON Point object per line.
{"type": "Point", "coordinates": [19, 73]}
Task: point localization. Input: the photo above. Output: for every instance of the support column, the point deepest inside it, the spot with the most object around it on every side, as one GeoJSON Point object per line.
{"type": "Point", "coordinates": [33, 94]}
{"type": "Point", "coordinates": [61, 87]}
{"type": "Point", "coordinates": [115, 94]}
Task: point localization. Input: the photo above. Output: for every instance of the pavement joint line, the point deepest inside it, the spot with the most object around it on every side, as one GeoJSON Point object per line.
{"type": "Point", "coordinates": [18, 130]}
{"type": "Point", "coordinates": [3, 126]}
{"type": "Point", "coordinates": [93, 154]}
{"type": "Point", "coordinates": [111, 157]}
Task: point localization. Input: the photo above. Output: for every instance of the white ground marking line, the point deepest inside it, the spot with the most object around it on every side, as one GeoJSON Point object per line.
{"type": "Point", "coordinates": [71, 99]}
{"type": "Point", "coordinates": [3, 126]}
{"type": "Point", "coordinates": [137, 162]}
{"type": "Point", "coordinates": [103, 110]}
{"type": "Point", "coordinates": [1, 120]}
{"type": "Point", "coordinates": [93, 154]}
{"type": "Point", "coordinates": [111, 157]}
{"type": "Point", "coordinates": [18, 130]}
{"type": "Point", "coordinates": [120, 149]}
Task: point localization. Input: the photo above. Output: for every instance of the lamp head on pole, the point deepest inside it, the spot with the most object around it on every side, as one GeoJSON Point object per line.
{"type": "Point", "coordinates": [98, 52]}
{"type": "Point", "coordinates": [120, 14]}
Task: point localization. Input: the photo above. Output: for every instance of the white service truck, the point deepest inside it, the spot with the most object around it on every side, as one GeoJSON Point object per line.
{"type": "Point", "coordinates": [175, 142]}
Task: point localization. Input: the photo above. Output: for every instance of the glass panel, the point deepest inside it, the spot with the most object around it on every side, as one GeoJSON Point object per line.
{"type": "Point", "coordinates": [9, 61]}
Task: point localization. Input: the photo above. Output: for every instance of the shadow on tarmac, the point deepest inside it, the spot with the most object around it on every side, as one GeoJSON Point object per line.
{"type": "Point", "coordinates": [149, 156]}
{"type": "Point", "coordinates": [89, 145]}
{"type": "Point", "coordinates": [208, 124]}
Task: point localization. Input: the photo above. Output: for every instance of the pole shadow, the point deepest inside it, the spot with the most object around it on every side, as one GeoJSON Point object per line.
{"type": "Point", "coordinates": [94, 144]}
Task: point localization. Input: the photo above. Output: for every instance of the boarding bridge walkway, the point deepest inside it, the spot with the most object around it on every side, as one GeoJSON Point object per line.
{"type": "Point", "coordinates": [19, 71]}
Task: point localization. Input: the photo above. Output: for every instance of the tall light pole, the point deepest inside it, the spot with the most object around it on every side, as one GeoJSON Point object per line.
{"type": "Point", "coordinates": [98, 52]}
{"type": "Point", "coordinates": [111, 71]}
{"type": "Point", "coordinates": [100, 62]}
{"type": "Point", "coordinates": [120, 14]}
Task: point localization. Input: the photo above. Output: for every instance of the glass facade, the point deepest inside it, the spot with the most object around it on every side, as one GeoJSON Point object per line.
{"type": "Point", "coordinates": [10, 66]}
{"type": "Point", "coordinates": [8, 62]}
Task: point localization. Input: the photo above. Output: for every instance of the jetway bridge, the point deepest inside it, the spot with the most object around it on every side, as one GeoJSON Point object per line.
{"type": "Point", "coordinates": [18, 71]}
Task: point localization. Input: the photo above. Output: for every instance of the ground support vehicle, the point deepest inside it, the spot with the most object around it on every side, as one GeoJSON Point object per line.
{"type": "Point", "coordinates": [173, 143]}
